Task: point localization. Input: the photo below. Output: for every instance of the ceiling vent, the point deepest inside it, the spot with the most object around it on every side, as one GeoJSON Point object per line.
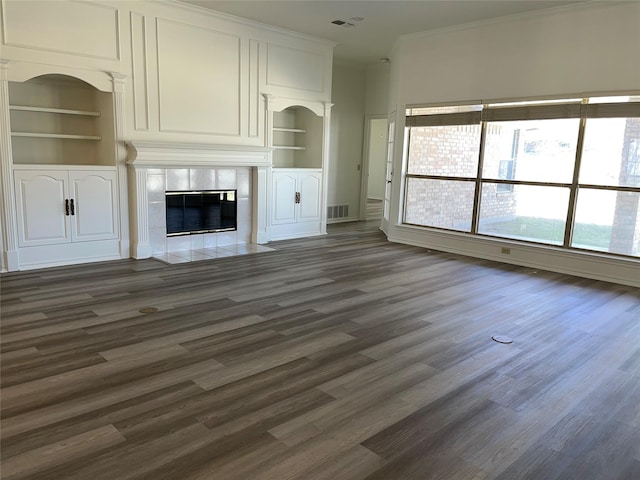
{"type": "Point", "coordinates": [342, 23]}
{"type": "Point", "coordinates": [348, 23]}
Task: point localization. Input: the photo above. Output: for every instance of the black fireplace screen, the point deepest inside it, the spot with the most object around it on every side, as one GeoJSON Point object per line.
{"type": "Point", "coordinates": [201, 212]}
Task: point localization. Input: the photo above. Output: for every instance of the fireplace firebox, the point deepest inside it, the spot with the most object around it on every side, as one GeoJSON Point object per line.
{"type": "Point", "coordinates": [201, 212]}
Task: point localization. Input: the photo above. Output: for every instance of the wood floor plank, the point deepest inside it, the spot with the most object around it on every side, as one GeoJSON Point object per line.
{"type": "Point", "coordinates": [20, 466]}
{"type": "Point", "coordinates": [342, 357]}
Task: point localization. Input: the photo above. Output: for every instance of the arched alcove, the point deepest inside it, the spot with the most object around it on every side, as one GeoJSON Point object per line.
{"type": "Point", "coordinates": [61, 120]}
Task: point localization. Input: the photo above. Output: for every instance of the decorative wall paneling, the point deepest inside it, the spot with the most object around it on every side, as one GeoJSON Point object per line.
{"type": "Point", "coordinates": [179, 74]}
{"type": "Point", "coordinates": [95, 28]}
{"type": "Point", "coordinates": [88, 35]}
{"type": "Point", "coordinates": [139, 72]}
{"type": "Point", "coordinates": [256, 107]}
{"type": "Point", "coordinates": [198, 79]}
{"type": "Point", "coordinates": [293, 68]}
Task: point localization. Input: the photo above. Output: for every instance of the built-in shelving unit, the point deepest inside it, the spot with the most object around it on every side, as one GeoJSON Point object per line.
{"type": "Point", "coordinates": [298, 182]}
{"type": "Point", "coordinates": [56, 135]}
{"type": "Point", "coordinates": [65, 111]}
{"type": "Point", "coordinates": [60, 120]}
{"type": "Point", "coordinates": [65, 174]}
{"type": "Point", "coordinates": [297, 138]}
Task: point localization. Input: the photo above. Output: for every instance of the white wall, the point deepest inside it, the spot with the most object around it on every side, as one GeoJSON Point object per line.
{"type": "Point", "coordinates": [347, 130]}
{"type": "Point", "coordinates": [561, 52]}
{"type": "Point", "coordinates": [377, 88]}
{"type": "Point", "coordinates": [564, 52]}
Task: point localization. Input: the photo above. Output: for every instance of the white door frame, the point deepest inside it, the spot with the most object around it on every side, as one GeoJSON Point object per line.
{"type": "Point", "coordinates": [364, 174]}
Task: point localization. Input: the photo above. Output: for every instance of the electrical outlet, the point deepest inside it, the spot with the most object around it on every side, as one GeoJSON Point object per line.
{"type": "Point", "coordinates": [505, 251]}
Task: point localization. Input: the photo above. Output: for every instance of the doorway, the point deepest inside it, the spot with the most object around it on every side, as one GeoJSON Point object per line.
{"type": "Point", "coordinates": [374, 166]}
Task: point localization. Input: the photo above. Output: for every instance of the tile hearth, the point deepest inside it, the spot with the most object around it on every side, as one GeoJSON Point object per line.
{"type": "Point", "coordinates": [212, 253]}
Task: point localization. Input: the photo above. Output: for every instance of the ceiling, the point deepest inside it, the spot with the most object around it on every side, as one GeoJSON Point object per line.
{"type": "Point", "coordinates": [384, 20]}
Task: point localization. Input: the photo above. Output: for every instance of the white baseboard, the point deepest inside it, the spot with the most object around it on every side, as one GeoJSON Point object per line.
{"type": "Point", "coordinates": [581, 264]}
{"type": "Point", "coordinates": [343, 220]}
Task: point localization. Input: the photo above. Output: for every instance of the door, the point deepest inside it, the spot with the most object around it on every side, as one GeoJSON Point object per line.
{"type": "Point", "coordinates": [309, 186]}
{"type": "Point", "coordinates": [284, 196]}
{"type": "Point", "coordinates": [94, 205]}
{"type": "Point", "coordinates": [41, 199]}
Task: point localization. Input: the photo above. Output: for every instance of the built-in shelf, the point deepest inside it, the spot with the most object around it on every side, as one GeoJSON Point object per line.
{"type": "Point", "coordinates": [65, 111]}
{"type": "Point", "coordinates": [288, 147]}
{"type": "Point", "coordinates": [292, 130]}
{"type": "Point", "coordinates": [55, 135]}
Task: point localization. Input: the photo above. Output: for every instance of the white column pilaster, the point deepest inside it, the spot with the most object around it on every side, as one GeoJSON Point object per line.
{"type": "Point", "coordinates": [140, 215]}
{"type": "Point", "coordinates": [326, 134]}
{"type": "Point", "coordinates": [118, 81]}
{"type": "Point", "coordinates": [9, 237]}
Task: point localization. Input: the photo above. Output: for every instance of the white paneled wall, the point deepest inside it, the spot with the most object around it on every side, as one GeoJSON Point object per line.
{"type": "Point", "coordinates": [36, 25]}
{"type": "Point", "coordinates": [180, 75]}
{"type": "Point", "coordinates": [206, 100]}
{"type": "Point", "coordinates": [191, 75]}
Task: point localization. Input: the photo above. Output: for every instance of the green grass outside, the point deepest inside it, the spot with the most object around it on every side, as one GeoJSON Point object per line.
{"type": "Point", "coordinates": [551, 230]}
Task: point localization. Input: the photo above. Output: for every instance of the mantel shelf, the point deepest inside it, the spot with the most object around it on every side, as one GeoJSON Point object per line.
{"type": "Point", "coordinates": [65, 111]}
{"type": "Point", "coordinates": [56, 135]}
{"type": "Point", "coordinates": [193, 155]}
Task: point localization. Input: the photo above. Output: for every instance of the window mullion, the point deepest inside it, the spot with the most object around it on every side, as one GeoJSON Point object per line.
{"type": "Point", "coordinates": [406, 179]}
{"type": "Point", "coordinates": [573, 192]}
{"type": "Point", "coordinates": [478, 190]}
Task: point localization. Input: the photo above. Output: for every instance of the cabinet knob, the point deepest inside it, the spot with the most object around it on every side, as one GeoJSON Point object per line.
{"type": "Point", "coordinates": [297, 197]}
{"type": "Point", "coordinates": [73, 208]}
{"type": "Point", "coordinates": [66, 207]}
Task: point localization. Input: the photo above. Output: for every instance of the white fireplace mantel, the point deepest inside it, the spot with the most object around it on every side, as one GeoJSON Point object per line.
{"type": "Point", "coordinates": [194, 155]}
{"type": "Point", "coordinates": [149, 155]}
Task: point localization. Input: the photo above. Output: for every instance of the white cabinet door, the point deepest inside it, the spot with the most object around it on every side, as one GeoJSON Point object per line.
{"type": "Point", "coordinates": [284, 194]}
{"type": "Point", "coordinates": [40, 199]}
{"type": "Point", "coordinates": [94, 205]}
{"type": "Point", "coordinates": [309, 186]}
{"type": "Point", "coordinates": [297, 203]}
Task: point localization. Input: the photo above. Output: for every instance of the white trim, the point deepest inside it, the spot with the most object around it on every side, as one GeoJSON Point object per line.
{"type": "Point", "coordinates": [9, 239]}
{"type": "Point", "coordinates": [583, 264]}
{"type": "Point", "coordinates": [543, 12]}
{"type": "Point", "coordinates": [246, 22]}
{"type": "Point", "coordinates": [278, 104]}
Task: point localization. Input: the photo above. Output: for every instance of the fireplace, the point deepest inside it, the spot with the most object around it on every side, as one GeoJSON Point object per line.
{"type": "Point", "coordinates": [201, 212]}
{"type": "Point", "coordinates": [158, 168]}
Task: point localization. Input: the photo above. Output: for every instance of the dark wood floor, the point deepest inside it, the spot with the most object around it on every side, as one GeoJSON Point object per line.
{"type": "Point", "coordinates": [336, 357]}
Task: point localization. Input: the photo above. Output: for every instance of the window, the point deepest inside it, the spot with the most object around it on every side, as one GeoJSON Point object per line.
{"type": "Point", "coordinates": [444, 144]}
{"type": "Point", "coordinates": [608, 200]}
{"type": "Point", "coordinates": [558, 172]}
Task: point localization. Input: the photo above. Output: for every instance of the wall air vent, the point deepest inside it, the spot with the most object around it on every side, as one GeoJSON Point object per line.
{"type": "Point", "coordinates": [337, 211]}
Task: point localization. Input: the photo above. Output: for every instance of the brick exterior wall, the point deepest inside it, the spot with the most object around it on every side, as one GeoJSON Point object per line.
{"type": "Point", "coordinates": [453, 151]}
{"type": "Point", "coordinates": [625, 234]}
